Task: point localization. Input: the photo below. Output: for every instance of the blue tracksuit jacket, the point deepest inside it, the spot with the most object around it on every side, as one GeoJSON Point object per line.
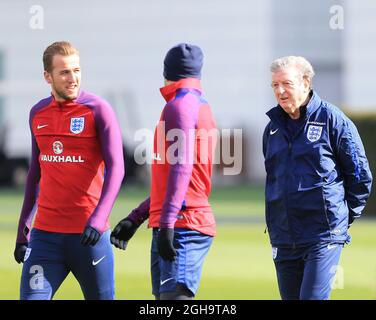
{"type": "Point", "coordinates": [318, 181]}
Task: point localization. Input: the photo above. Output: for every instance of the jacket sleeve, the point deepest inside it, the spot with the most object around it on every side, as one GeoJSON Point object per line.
{"type": "Point", "coordinates": [354, 167]}
{"type": "Point", "coordinates": [265, 137]}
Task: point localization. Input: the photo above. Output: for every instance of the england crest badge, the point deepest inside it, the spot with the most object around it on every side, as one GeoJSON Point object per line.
{"type": "Point", "coordinates": [27, 254]}
{"type": "Point", "coordinates": [274, 252]}
{"type": "Point", "coordinates": [314, 133]}
{"type": "Point", "coordinates": [77, 125]}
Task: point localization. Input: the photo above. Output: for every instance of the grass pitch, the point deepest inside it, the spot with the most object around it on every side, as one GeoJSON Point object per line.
{"type": "Point", "coordinates": [239, 264]}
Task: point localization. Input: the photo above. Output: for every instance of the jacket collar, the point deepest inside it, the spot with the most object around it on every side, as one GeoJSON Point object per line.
{"type": "Point", "coordinates": [313, 104]}
{"type": "Point", "coordinates": [169, 92]}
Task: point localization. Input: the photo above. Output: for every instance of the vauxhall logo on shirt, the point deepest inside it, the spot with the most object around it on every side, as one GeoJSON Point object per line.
{"type": "Point", "coordinates": [58, 148]}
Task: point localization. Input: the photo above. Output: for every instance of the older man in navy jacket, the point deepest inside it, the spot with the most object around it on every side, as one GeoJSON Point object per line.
{"type": "Point", "coordinates": [318, 181]}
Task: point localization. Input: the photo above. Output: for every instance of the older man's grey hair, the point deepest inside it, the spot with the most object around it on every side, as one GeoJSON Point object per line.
{"type": "Point", "coordinates": [300, 63]}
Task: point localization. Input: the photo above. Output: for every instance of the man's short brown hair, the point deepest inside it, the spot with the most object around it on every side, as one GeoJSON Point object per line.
{"type": "Point", "coordinates": [63, 48]}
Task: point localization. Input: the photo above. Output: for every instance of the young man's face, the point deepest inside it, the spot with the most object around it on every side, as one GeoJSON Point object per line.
{"type": "Point", "coordinates": [290, 89]}
{"type": "Point", "coordinates": [65, 77]}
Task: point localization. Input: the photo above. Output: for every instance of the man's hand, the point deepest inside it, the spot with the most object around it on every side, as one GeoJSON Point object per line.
{"type": "Point", "coordinates": [19, 252]}
{"type": "Point", "coordinates": [90, 236]}
{"type": "Point", "coordinates": [165, 244]}
{"type": "Point", "coordinates": [123, 231]}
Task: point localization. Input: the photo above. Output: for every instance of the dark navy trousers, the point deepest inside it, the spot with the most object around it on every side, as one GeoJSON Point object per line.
{"type": "Point", "coordinates": [307, 273]}
{"type": "Point", "coordinates": [51, 256]}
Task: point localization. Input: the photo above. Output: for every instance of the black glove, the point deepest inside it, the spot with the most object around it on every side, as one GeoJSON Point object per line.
{"type": "Point", "coordinates": [19, 252]}
{"type": "Point", "coordinates": [350, 221]}
{"type": "Point", "coordinates": [123, 231]}
{"type": "Point", "coordinates": [90, 236]}
{"type": "Point", "coordinates": [165, 244]}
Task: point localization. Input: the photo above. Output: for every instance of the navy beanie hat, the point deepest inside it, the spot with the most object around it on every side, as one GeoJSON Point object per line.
{"type": "Point", "coordinates": [183, 61]}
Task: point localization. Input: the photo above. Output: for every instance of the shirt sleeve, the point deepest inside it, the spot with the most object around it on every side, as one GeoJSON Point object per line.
{"type": "Point", "coordinates": [180, 121]}
{"type": "Point", "coordinates": [112, 150]}
{"type": "Point", "coordinates": [141, 213]}
{"type": "Point", "coordinates": [31, 192]}
{"type": "Point", "coordinates": [354, 167]}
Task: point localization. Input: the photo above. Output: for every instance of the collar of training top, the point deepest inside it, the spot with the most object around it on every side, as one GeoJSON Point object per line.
{"type": "Point", "coordinates": [66, 103]}
{"type": "Point", "coordinates": [169, 92]}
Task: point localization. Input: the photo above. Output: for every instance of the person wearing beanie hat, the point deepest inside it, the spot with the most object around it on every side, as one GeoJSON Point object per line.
{"type": "Point", "coordinates": [183, 61]}
{"type": "Point", "coordinates": [178, 208]}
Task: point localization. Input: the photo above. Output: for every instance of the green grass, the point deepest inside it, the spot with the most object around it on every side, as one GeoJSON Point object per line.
{"type": "Point", "coordinates": [239, 264]}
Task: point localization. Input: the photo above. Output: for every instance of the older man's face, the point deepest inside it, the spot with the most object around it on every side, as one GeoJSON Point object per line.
{"type": "Point", "coordinates": [290, 89]}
